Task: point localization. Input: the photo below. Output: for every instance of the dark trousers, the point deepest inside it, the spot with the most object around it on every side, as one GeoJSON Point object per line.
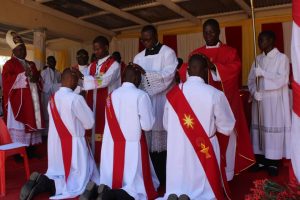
{"type": "Point", "coordinates": [116, 195]}
{"type": "Point", "coordinates": [159, 162]}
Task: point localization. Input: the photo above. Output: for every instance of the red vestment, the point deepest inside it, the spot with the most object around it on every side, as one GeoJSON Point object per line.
{"type": "Point", "coordinates": [20, 99]}
{"type": "Point", "coordinates": [102, 94]}
{"type": "Point", "coordinates": [229, 68]}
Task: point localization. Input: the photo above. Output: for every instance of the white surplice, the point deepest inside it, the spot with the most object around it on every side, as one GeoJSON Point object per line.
{"type": "Point", "coordinates": [160, 71]}
{"type": "Point", "coordinates": [51, 83]}
{"type": "Point", "coordinates": [295, 132]}
{"type": "Point", "coordinates": [185, 173]}
{"type": "Point", "coordinates": [134, 114]}
{"type": "Point", "coordinates": [111, 78]}
{"type": "Point", "coordinates": [274, 108]}
{"type": "Point", "coordinates": [77, 117]}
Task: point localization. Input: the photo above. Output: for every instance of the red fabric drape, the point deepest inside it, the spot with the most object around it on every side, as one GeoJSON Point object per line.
{"type": "Point", "coordinates": [171, 41]}
{"type": "Point", "coordinates": [233, 36]}
{"type": "Point", "coordinates": [277, 29]}
{"type": "Point", "coordinates": [296, 11]}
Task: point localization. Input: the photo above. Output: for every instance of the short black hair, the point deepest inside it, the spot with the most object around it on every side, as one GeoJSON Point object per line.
{"type": "Point", "coordinates": [198, 58]}
{"type": "Point", "coordinates": [116, 54]}
{"type": "Point", "coordinates": [82, 52]}
{"type": "Point", "coordinates": [50, 57]}
{"type": "Point", "coordinates": [268, 33]}
{"type": "Point", "coordinates": [212, 22]}
{"type": "Point", "coordinates": [101, 40]}
{"type": "Point", "coordinates": [149, 28]}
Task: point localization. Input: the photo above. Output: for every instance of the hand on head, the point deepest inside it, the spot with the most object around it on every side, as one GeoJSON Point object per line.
{"type": "Point", "coordinates": [210, 65]}
{"type": "Point", "coordinates": [198, 66]}
{"type": "Point", "coordinates": [133, 74]}
{"type": "Point", "coordinates": [138, 67]}
{"type": "Point", "coordinates": [70, 78]}
{"type": "Point", "coordinates": [75, 70]}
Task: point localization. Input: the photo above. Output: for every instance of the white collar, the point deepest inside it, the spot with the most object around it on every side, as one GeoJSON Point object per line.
{"type": "Point", "coordinates": [102, 60]}
{"type": "Point", "coordinates": [21, 60]}
{"type": "Point", "coordinates": [65, 89]}
{"type": "Point", "coordinates": [128, 84]}
{"type": "Point", "coordinates": [215, 46]}
{"type": "Point", "coordinates": [272, 53]}
{"type": "Point", "coordinates": [195, 78]}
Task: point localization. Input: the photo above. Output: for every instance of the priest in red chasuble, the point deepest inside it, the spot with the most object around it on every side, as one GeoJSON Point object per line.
{"type": "Point", "coordinates": [103, 76]}
{"type": "Point", "coordinates": [21, 94]}
{"type": "Point", "coordinates": [224, 74]}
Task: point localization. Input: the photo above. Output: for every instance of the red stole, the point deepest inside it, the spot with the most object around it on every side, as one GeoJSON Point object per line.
{"type": "Point", "coordinates": [296, 97]}
{"type": "Point", "coordinates": [200, 142]}
{"type": "Point", "coordinates": [119, 153]}
{"type": "Point", "coordinates": [102, 94]}
{"type": "Point", "coordinates": [228, 65]}
{"type": "Point", "coordinates": [65, 137]}
{"type": "Point", "coordinates": [21, 99]}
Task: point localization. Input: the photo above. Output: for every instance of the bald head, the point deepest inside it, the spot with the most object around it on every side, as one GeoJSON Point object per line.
{"type": "Point", "coordinates": [198, 66]}
{"type": "Point", "coordinates": [133, 75]}
{"type": "Point", "coordinates": [69, 78]}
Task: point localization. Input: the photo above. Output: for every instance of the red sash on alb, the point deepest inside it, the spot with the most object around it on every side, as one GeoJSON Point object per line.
{"type": "Point", "coordinates": [119, 153]}
{"type": "Point", "coordinates": [296, 97]}
{"type": "Point", "coordinates": [65, 137]}
{"type": "Point", "coordinates": [200, 142]}
{"type": "Point", "coordinates": [100, 106]}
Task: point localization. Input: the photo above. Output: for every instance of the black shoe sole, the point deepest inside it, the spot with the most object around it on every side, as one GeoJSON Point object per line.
{"type": "Point", "coordinates": [89, 192]}
{"type": "Point", "coordinates": [101, 189]}
{"type": "Point", "coordinates": [172, 197]}
{"type": "Point", "coordinates": [26, 191]}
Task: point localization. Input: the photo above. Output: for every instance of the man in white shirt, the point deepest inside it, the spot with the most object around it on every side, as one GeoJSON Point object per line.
{"type": "Point", "coordinates": [274, 105]}
{"type": "Point", "coordinates": [159, 62]}
{"type": "Point", "coordinates": [193, 113]}
{"type": "Point", "coordinates": [70, 163]}
{"type": "Point", "coordinates": [128, 115]}
{"type": "Point", "coordinates": [51, 83]}
{"type": "Point", "coordinates": [82, 57]}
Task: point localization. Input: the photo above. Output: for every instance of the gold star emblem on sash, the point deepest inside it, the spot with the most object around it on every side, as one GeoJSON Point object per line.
{"type": "Point", "coordinates": [205, 150]}
{"type": "Point", "coordinates": [188, 121]}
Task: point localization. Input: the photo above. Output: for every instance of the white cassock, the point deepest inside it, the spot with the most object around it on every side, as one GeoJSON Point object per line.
{"type": "Point", "coordinates": [274, 107]}
{"type": "Point", "coordinates": [77, 117]}
{"type": "Point", "coordinates": [51, 83]}
{"type": "Point", "coordinates": [160, 71]}
{"type": "Point", "coordinates": [185, 174]}
{"type": "Point", "coordinates": [111, 78]}
{"type": "Point", "coordinates": [295, 53]}
{"type": "Point", "coordinates": [134, 114]}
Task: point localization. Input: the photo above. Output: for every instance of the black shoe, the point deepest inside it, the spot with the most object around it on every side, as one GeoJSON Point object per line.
{"type": "Point", "coordinates": [184, 197]}
{"type": "Point", "coordinates": [273, 170]}
{"type": "Point", "coordinates": [257, 167]}
{"type": "Point", "coordinates": [29, 185]}
{"type": "Point", "coordinates": [172, 197]}
{"type": "Point", "coordinates": [42, 184]}
{"type": "Point", "coordinates": [101, 190]}
{"type": "Point", "coordinates": [90, 191]}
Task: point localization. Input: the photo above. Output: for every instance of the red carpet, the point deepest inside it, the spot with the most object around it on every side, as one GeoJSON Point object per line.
{"type": "Point", "coordinates": [15, 177]}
